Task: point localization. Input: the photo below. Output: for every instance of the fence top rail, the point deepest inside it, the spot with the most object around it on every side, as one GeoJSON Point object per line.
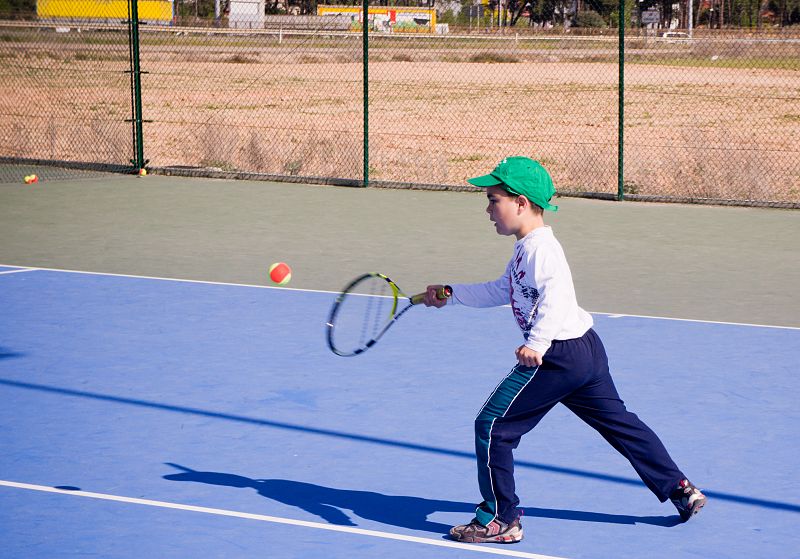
{"type": "Point", "coordinates": [502, 36]}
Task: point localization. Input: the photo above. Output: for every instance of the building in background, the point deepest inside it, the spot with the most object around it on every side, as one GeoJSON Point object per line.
{"type": "Point", "coordinates": [386, 19]}
{"type": "Point", "coordinates": [247, 14]}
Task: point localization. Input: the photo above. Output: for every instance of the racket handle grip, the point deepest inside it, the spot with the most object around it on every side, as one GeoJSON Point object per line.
{"type": "Point", "coordinates": [444, 292]}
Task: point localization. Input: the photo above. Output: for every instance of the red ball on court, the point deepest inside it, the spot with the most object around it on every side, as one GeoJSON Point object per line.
{"type": "Point", "coordinates": [280, 273]}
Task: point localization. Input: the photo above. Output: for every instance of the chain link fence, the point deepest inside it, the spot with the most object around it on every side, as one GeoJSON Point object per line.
{"type": "Point", "coordinates": [448, 108]}
{"type": "Point", "coordinates": [712, 118]}
{"type": "Point", "coordinates": [65, 96]}
{"type": "Point", "coordinates": [263, 102]}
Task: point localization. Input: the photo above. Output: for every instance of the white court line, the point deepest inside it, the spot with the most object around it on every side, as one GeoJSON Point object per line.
{"type": "Point", "coordinates": [18, 270]}
{"type": "Point", "coordinates": [613, 315]}
{"type": "Point", "coordinates": [279, 520]}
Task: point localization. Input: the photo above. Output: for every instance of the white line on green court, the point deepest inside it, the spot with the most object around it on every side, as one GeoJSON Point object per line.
{"type": "Point", "coordinates": [18, 270]}
{"type": "Point", "coordinates": [279, 520]}
{"type": "Point", "coordinates": [612, 315]}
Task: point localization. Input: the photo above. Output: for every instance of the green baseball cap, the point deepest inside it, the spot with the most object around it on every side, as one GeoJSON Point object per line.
{"type": "Point", "coordinates": [521, 176]}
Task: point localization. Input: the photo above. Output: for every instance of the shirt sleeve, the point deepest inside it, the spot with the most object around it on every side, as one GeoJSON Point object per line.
{"type": "Point", "coordinates": [489, 294]}
{"type": "Point", "coordinates": [556, 297]}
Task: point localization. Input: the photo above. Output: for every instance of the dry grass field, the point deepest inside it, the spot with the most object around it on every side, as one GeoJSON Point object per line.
{"type": "Point", "coordinates": [703, 119]}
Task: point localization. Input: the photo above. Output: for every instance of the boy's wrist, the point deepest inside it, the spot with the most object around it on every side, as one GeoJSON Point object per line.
{"type": "Point", "coordinates": [538, 345]}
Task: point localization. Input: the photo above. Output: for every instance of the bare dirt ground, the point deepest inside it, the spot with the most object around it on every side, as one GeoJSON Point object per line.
{"type": "Point", "coordinates": [695, 125]}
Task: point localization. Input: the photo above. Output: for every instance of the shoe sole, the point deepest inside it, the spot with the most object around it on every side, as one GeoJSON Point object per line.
{"type": "Point", "coordinates": [698, 505]}
{"type": "Point", "coordinates": [513, 536]}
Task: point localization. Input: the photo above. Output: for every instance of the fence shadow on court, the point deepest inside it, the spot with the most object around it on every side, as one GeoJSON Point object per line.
{"type": "Point", "coordinates": [330, 503]}
{"type": "Point", "coordinates": [729, 497]}
{"type": "Point", "coordinates": [8, 354]}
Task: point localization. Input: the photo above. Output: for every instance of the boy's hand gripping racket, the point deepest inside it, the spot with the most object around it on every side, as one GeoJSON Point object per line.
{"type": "Point", "coordinates": [365, 310]}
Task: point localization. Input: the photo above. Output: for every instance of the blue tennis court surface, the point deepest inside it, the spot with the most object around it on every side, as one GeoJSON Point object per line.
{"type": "Point", "coordinates": [187, 419]}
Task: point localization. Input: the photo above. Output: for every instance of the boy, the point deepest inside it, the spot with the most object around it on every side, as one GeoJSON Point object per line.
{"type": "Point", "coordinates": [562, 360]}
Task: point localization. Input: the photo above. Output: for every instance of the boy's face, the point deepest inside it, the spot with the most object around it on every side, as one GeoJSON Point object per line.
{"type": "Point", "coordinates": [504, 211]}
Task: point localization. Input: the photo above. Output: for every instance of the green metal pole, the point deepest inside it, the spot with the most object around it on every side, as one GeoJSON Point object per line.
{"type": "Point", "coordinates": [621, 108]}
{"type": "Point", "coordinates": [139, 161]}
{"type": "Point", "coordinates": [365, 65]}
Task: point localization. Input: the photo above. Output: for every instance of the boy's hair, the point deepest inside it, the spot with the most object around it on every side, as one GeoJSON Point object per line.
{"type": "Point", "coordinates": [537, 210]}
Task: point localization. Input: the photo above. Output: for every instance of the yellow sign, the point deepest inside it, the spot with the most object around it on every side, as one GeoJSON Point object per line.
{"type": "Point", "coordinates": [149, 10]}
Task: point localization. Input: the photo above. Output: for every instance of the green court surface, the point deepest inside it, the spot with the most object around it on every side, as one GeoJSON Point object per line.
{"type": "Point", "coordinates": [684, 261]}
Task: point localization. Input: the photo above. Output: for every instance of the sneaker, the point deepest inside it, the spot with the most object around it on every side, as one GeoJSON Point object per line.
{"type": "Point", "coordinates": [495, 532]}
{"type": "Point", "coordinates": [687, 499]}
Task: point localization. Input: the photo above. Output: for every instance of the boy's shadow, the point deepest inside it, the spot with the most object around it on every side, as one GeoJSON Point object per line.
{"type": "Point", "coordinates": [330, 504]}
{"type": "Point", "coordinates": [396, 510]}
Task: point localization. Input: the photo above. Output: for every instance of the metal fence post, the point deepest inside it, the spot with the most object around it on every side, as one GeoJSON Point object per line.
{"type": "Point", "coordinates": [136, 85]}
{"type": "Point", "coordinates": [621, 108]}
{"type": "Point", "coordinates": [365, 63]}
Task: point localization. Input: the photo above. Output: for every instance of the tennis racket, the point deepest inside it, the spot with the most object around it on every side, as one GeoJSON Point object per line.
{"type": "Point", "coordinates": [366, 309]}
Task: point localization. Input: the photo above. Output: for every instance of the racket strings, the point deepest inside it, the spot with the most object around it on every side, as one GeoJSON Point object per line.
{"type": "Point", "coordinates": [363, 314]}
{"type": "Point", "coordinates": [366, 333]}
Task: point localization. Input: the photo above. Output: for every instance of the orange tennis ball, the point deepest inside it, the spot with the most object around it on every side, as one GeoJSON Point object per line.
{"type": "Point", "coordinates": [280, 273]}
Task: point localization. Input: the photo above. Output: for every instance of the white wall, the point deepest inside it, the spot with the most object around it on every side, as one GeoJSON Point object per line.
{"type": "Point", "coordinates": [246, 14]}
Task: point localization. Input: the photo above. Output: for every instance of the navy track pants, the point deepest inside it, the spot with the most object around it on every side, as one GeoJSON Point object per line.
{"type": "Point", "coordinates": [575, 373]}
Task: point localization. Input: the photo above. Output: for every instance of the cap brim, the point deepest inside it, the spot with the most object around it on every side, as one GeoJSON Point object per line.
{"type": "Point", "coordinates": [484, 181]}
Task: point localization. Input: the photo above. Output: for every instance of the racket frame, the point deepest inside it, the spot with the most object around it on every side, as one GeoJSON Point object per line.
{"type": "Point", "coordinates": [444, 293]}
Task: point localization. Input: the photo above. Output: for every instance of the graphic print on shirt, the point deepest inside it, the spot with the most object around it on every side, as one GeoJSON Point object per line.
{"type": "Point", "coordinates": [523, 295]}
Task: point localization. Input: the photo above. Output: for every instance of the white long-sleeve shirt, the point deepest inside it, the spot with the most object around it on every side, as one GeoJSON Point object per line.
{"type": "Point", "coordinates": [538, 285]}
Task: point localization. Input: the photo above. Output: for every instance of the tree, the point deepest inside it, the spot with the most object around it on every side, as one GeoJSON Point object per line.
{"type": "Point", "coordinates": [542, 10]}
{"type": "Point", "coordinates": [589, 18]}
{"type": "Point", "coordinates": [17, 6]}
